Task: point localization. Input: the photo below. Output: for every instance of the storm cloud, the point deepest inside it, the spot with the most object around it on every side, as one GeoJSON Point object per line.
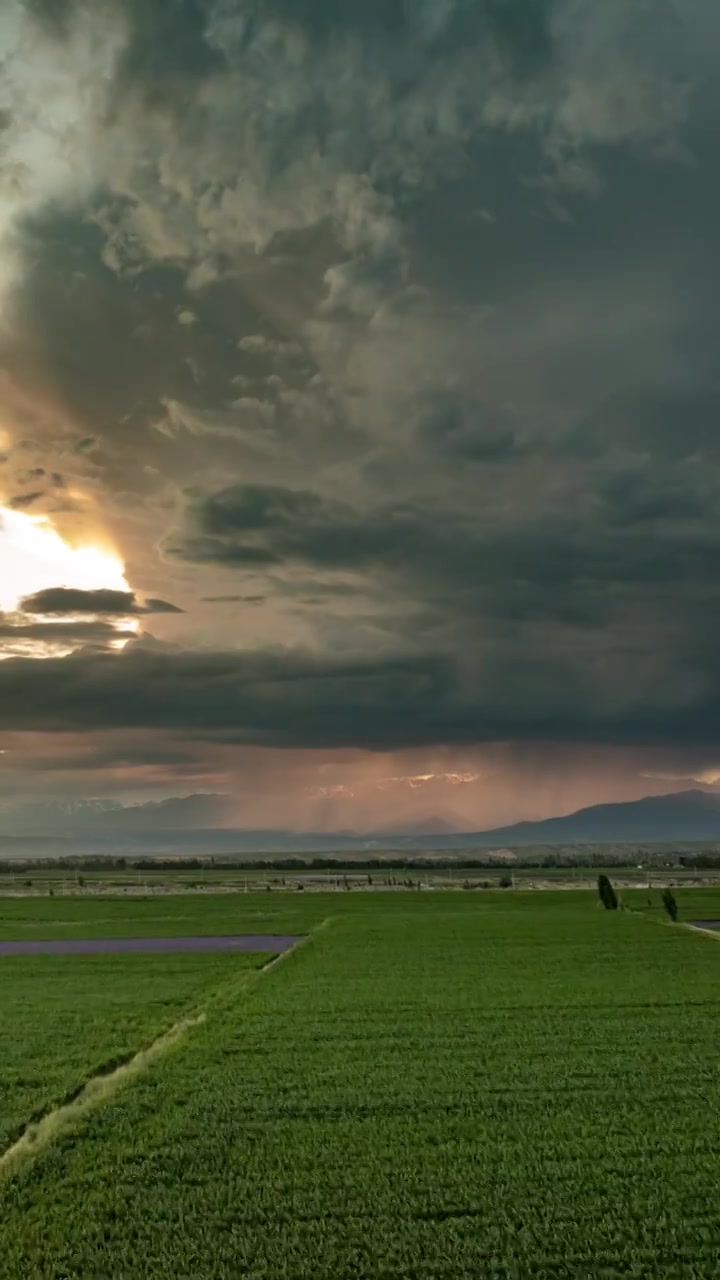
{"type": "Point", "coordinates": [72, 600]}
{"type": "Point", "coordinates": [292, 699]}
{"type": "Point", "coordinates": [382, 336]}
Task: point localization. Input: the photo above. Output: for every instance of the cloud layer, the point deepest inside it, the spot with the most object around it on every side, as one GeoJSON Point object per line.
{"type": "Point", "coordinates": [381, 337]}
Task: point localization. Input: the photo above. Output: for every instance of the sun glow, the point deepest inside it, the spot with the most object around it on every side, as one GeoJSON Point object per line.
{"type": "Point", "coordinates": [33, 557]}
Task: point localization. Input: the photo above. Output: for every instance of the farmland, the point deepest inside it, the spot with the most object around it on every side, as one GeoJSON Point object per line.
{"type": "Point", "coordinates": [500, 1085]}
{"type": "Point", "coordinates": [158, 878]}
{"type": "Point", "coordinates": [64, 1019]}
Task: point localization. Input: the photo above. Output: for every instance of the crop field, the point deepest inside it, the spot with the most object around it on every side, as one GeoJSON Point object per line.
{"type": "Point", "coordinates": [430, 1085]}
{"type": "Point", "coordinates": [64, 1019]}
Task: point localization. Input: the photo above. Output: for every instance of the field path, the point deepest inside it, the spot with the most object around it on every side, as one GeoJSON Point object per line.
{"type": "Point", "coordinates": [97, 1090]}
{"type": "Point", "coordinates": [92, 1094]}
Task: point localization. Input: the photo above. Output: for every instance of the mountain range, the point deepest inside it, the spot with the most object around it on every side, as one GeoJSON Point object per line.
{"type": "Point", "coordinates": [682, 815]}
{"type": "Point", "coordinates": [200, 823]}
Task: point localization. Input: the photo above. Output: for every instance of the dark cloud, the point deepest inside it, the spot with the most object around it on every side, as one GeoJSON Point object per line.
{"type": "Point", "coordinates": [520, 28]}
{"type": "Point", "coordinates": [234, 599]}
{"type": "Point", "coordinates": [20, 501]}
{"type": "Point", "coordinates": [153, 605]}
{"type": "Point", "coordinates": [462, 427]}
{"type": "Point", "coordinates": [253, 697]}
{"type": "Point", "coordinates": [424, 338]}
{"type": "Point", "coordinates": [165, 46]}
{"type": "Point", "coordinates": [606, 599]}
{"type": "Point", "coordinates": [264, 525]}
{"type": "Point", "coordinates": [167, 49]}
{"type": "Point", "coordinates": [294, 699]}
{"type": "Point", "coordinates": [628, 527]}
{"type": "Point", "coordinates": [53, 16]}
{"type": "Point", "coordinates": [73, 634]}
{"type": "Point", "coordinates": [71, 600]}
{"type": "Point", "coordinates": [103, 373]}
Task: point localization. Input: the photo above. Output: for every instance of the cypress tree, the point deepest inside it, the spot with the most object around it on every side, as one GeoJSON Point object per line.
{"type": "Point", "coordinates": [670, 904]}
{"type": "Point", "coordinates": [607, 894]}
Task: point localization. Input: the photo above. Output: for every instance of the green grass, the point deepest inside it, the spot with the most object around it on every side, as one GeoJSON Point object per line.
{"type": "Point", "coordinates": [63, 1019]}
{"type": "Point", "coordinates": [161, 916]}
{"type": "Point", "coordinates": [693, 904]}
{"type": "Point", "coordinates": [444, 1085]}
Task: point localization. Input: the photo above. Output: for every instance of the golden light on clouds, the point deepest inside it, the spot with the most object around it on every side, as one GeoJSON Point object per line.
{"type": "Point", "coordinates": [33, 557]}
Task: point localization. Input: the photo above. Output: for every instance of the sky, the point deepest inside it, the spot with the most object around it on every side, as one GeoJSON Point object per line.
{"type": "Point", "coordinates": [359, 399]}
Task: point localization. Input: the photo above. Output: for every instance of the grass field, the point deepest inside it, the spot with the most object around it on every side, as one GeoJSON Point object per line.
{"type": "Point", "coordinates": [65, 1018]}
{"type": "Point", "coordinates": [432, 1085]}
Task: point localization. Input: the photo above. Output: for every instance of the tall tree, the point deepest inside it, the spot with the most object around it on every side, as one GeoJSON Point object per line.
{"type": "Point", "coordinates": [608, 896]}
{"type": "Point", "coordinates": [670, 904]}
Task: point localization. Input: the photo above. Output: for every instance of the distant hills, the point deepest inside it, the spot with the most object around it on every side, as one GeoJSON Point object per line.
{"type": "Point", "coordinates": [681, 816]}
{"type": "Point", "coordinates": [57, 817]}
{"type": "Point", "coordinates": [201, 823]}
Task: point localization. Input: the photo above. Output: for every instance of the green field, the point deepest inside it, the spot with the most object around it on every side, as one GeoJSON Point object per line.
{"type": "Point", "coordinates": [66, 1018]}
{"type": "Point", "coordinates": [500, 1085]}
{"type": "Point", "coordinates": [161, 916]}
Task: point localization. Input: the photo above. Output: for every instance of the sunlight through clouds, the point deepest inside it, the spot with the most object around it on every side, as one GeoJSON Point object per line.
{"type": "Point", "coordinates": [33, 558]}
